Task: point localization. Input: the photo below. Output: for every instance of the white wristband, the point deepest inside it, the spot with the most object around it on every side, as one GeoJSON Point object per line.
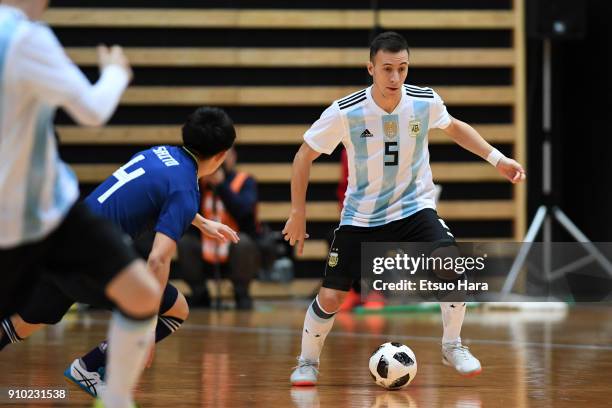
{"type": "Point", "coordinates": [494, 157]}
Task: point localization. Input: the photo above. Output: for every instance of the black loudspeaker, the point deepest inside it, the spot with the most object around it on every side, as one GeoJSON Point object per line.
{"type": "Point", "coordinates": [556, 19]}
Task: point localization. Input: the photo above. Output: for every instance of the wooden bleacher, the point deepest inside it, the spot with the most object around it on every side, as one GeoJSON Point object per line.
{"type": "Point", "coordinates": [280, 18]}
{"type": "Point", "coordinates": [173, 43]}
{"type": "Point", "coordinates": [296, 57]}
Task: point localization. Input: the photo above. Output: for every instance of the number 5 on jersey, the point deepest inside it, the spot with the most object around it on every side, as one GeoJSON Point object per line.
{"type": "Point", "coordinates": [391, 150]}
{"type": "Point", "coordinates": [123, 177]}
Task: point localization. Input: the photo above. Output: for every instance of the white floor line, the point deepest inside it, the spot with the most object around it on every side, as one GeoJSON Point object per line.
{"type": "Point", "coordinates": [383, 336]}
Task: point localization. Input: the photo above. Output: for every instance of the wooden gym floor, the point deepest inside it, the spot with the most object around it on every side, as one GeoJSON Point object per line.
{"type": "Point", "coordinates": [243, 359]}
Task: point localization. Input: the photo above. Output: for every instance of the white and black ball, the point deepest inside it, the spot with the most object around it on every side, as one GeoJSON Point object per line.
{"type": "Point", "coordinates": [393, 365]}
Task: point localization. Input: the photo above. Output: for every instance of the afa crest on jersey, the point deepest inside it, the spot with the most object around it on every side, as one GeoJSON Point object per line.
{"type": "Point", "coordinates": [332, 259]}
{"type": "Point", "coordinates": [415, 128]}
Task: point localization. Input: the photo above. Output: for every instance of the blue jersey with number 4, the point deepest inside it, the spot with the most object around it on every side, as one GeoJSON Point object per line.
{"type": "Point", "coordinates": [156, 190]}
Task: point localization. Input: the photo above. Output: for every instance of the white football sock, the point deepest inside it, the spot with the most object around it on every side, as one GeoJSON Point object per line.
{"type": "Point", "coordinates": [129, 341]}
{"type": "Point", "coordinates": [317, 325]}
{"type": "Point", "coordinates": [452, 320]}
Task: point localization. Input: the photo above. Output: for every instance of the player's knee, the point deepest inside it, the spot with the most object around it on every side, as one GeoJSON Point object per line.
{"type": "Point", "coordinates": [331, 299]}
{"type": "Point", "coordinates": [180, 308]}
{"type": "Point", "coordinates": [448, 270]}
{"type": "Point", "coordinates": [444, 260]}
{"type": "Point", "coordinates": [181, 303]}
{"type": "Point", "coordinates": [136, 292]}
{"type": "Point", "coordinates": [149, 293]}
{"type": "Point", "coordinates": [168, 299]}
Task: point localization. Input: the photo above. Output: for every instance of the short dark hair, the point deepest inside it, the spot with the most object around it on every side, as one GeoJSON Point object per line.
{"type": "Point", "coordinates": [388, 41]}
{"type": "Point", "coordinates": [208, 131]}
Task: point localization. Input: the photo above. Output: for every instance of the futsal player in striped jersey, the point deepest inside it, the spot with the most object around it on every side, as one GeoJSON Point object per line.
{"type": "Point", "coordinates": [390, 195]}
{"type": "Point", "coordinates": [44, 234]}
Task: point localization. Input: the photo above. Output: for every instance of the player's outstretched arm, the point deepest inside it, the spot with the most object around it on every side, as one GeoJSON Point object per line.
{"type": "Point", "coordinates": [95, 104]}
{"type": "Point", "coordinates": [215, 230]}
{"type": "Point", "coordinates": [468, 138]}
{"type": "Point", "coordinates": [295, 228]}
{"type": "Point", "coordinates": [47, 71]}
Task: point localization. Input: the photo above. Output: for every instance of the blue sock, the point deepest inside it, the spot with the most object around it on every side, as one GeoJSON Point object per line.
{"type": "Point", "coordinates": [96, 358]}
{"type": "Point", "coordinates": [166, 325]}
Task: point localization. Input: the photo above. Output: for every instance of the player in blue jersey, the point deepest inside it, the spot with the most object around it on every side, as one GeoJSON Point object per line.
{"type": "Point", "coordinates": [156, 190]}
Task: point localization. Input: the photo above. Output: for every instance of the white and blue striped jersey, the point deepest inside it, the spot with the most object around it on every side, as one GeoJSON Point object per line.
{"type": "Point", "coordinates": [388, 157]}
{"type": "Point", "coordinates": [36, 188]}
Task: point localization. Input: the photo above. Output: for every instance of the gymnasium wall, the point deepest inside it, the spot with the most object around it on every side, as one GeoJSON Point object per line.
{"type": "Point", "coordinates": [275, 69]}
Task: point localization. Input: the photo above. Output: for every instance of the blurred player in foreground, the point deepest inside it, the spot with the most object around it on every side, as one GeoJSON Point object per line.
{"type": "Point", "coordinates": [390, 196]}
{"type": "Point", "coordinates": [43, 233]}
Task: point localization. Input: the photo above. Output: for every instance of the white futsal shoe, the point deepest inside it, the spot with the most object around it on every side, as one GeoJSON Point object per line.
{"type": "Point", "coordinates": [306, 373]}
{"type": "Point", "coordinates": [459, 357]}
{"type": "Point", "coordinates": [92, 382]}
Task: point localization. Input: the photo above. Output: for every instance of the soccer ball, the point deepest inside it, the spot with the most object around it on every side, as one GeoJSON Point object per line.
{"type": "Point", "coordinates": [393, 365]}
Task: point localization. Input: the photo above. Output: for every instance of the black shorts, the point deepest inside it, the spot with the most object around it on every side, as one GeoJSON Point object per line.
{"type": "Point", "coordinates": [48, 303]}
{"type": "Point", "coordinates": [423, 226]}
{"type": "Point", "coordinates": [81, 257]}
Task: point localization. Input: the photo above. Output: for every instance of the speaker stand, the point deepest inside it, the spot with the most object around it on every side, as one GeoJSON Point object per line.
{"type": "Point", "coordinates": [548, 211]}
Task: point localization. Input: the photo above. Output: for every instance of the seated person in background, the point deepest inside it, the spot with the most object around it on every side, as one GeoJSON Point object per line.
{"type": "Point", "coordinates": [228, 196]}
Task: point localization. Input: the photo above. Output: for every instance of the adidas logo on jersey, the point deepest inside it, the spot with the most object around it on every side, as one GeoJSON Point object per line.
{"type": "Point", "coordinates": [366, 133]}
